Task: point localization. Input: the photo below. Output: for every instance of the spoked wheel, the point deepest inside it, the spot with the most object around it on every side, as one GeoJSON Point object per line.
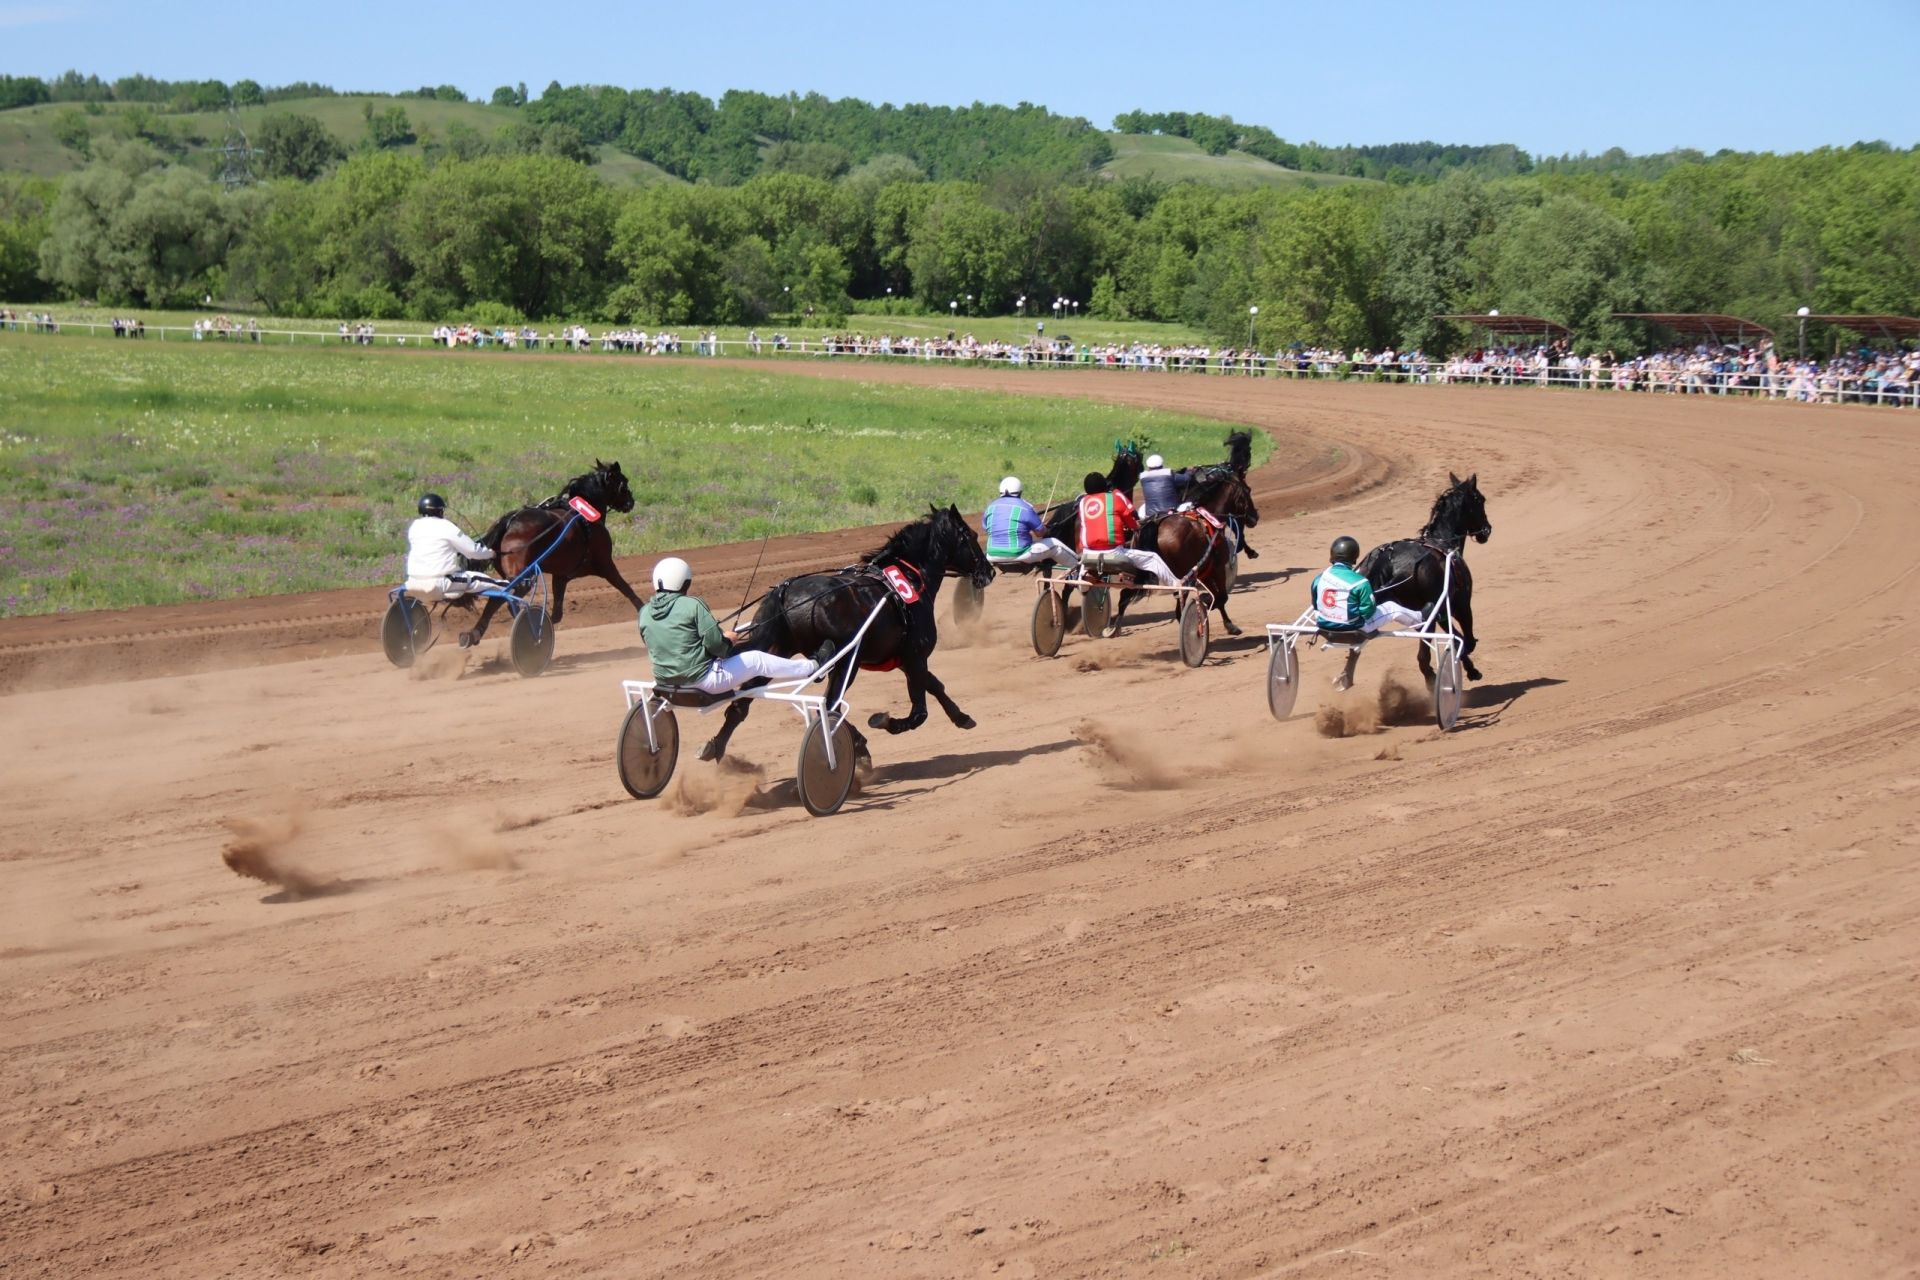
{"type": "Point", "coordinates": [1049, 623]}
{"type": "Point", "coordinates": [531, 642]}
{"type": "Point", "coordinates": [645, 771]}
{"type": "Point", "coordinates": [1193, 633]}
{"type": "Point", "coordinates": [406, 631]}
{"type": "Point", "coordinates": [1096, 612]}
{"type": "Point", "coordinates": [1283, 680]}
{"type": "Point", "coordinates": [968, 600]}
{"type": "Point", "coordinates": [823, 786]}
{"type": "Point", "coordinates": [1447, 690]}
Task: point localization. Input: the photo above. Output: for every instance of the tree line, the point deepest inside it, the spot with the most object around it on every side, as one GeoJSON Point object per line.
{"type": "Point", "coordinates": [504, 235]}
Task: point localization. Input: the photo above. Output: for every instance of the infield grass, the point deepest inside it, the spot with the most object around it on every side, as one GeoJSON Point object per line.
{"type": "Point", "coordinates": [142, 473]}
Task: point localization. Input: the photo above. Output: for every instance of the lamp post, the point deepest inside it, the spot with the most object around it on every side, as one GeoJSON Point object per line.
{"type": "Point", "coordinates": [1057, 304]}
{"type": "Point", "coordinates": [953, 309]}
{"type": "Point", "coordinates": [1074, 305]}
{"type": "Point", "coordinates": [1251, 313]}
{"type": "Point", "coordinates": [1022, 304]}
{"type": "Point", "coordinates": [786, 300]}
{"type": "Point", "coordinates": [1803, 313]}
{"type": "Point", "coordinates": [969, 304]}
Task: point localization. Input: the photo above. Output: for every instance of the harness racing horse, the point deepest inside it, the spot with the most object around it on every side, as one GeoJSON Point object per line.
{"type": "Point", "coordinates": [584, 551]}
{"type": "Point", "coordinates": [1197, 543]}
{"type": "Point", "coordinates": [1410, 571]}
{"type": "Point", "coordinates": [817, 613]}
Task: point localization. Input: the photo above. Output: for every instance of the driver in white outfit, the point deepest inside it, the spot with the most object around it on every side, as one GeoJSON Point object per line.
{"type": "Point", "coordinates": [435, 546]}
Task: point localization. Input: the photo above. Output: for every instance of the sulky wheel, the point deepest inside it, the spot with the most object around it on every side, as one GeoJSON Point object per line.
{"type": "Point", "coordinates": [1193, 632]}
{"type": "Point", "coordinates": [406, 631]}
{"type": "Point", "coordinates": [1049, 623]}
{"type": "Point", "coordinates": [645, 772]}
{"type": "Point", "coordinates": [1447, 690]}
{"type": "Point", "coordinates": [823, 786]}
{"type": "Point", "coordinates": [968, 600]}
{"type": "Point", "coordinates": [1096, 612]}
{"type": "Point", "coordinates": [531, 641]}
{"type": "Point", "coordinates": [1283, 680]}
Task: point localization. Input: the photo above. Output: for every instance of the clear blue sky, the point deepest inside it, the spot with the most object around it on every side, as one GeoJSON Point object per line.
{"type": "Point", "coordinates": [1553, 78]}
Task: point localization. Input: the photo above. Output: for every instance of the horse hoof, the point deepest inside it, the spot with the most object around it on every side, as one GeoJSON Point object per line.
{"type": "Point", "coordinates": [1232, 630]}
{"type": "Point", "coordinates": [964, 722]}
{"type": "Point", "coordinates": [710, 752]}
{"type": "Point", "coordinates": [878, 720]}
{"type": "Point", "coordinates": [468, 640]}
{"type": "Point", "coordinates": [1252, 554]}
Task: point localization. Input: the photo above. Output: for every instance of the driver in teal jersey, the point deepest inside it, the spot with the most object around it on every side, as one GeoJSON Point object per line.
{"type": "Point", "coordinates": [1343, 598]}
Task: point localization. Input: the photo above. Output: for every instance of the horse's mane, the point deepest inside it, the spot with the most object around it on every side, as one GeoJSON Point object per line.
{"type": "Point", "coordinates": [911, 538]}
{"type": "Point", "coordinates": [1447, 520]}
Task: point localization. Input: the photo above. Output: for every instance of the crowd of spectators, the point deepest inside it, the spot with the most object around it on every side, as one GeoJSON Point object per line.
{"type": "Point", "coordinates": [1864, 375]}
{"type": "Point", "coordinates": [224, 329]}
{"type": "Point", "coordinates": [40, 321]}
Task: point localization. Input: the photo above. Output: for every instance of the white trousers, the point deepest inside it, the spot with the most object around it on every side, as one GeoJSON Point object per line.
{"type": "Point", "coordinates": [454, 585]}
{"type": "Point", "coordinates": [749, 664]}
{"type": "Point", "coordinates": [1386, 611]}
{"type": "Point", "coordinates": [1150, 562]}
{"type": "Point", "coordinates": [1042, 551]}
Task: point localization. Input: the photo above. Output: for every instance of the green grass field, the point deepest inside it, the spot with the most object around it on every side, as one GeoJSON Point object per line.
{"type": "Point", "coordinates": [136, 473]}
{"type": "Point", "coordinates": [28, 144]}
{"type": "Point", "coordinates": [1180, 160]}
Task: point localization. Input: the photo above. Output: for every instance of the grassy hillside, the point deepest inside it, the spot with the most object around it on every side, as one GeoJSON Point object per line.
{"type": "Point", "coordinates": [1181, 160]}
{"type": "Point", "coordinates": [28, 144]}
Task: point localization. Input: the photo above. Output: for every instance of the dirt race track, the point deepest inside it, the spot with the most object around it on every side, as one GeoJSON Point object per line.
{"type": "Point", "coordinates": [1619, 979]}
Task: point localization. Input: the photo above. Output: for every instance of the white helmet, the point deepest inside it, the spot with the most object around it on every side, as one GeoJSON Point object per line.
{"type": "Point", "coordinates": [672, 574]}
{"type": "Point", "coordinates": [1155, 462]}
{"type": "Point", "coordinates": [1010, 487]}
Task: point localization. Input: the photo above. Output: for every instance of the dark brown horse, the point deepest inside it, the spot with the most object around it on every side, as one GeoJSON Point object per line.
{"type": "Point", "coordinates": [818, 613]}
{"type": "Point", "coordinates": [1197, 544]}
{"type": "Point", "coordinates": [582, 549]}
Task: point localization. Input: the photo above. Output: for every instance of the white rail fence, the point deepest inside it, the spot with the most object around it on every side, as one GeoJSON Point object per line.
{"type": "Point", "coordinates": [1655, 376]}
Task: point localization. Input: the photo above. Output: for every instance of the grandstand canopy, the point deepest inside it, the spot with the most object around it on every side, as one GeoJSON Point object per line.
{"type": "Point", "coordinates": [1694, 324]}
{"type": "Point", "coordinates": [1892, 327]}
{"type": "Point", "coordinates": [1512, 326]}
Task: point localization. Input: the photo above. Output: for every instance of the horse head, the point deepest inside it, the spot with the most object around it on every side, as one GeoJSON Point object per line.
{"type": "Point", "coordinates": [1459, 513]}
{"type": "Point", "coordinates": [615, 493]}
{"type": "Point", "coordinates": [1239, 451]}
{"type": "Point", "coordinates": [1127, 466]}
{"type": "Point", "coordinates": [963, 552]}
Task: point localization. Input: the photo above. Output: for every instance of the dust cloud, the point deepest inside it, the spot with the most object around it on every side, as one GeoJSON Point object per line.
{"type": "Point", "coordinates": [1120, 761]}
{"type": "Point", "coordinates": [729, 788]}
{"type": "Point", "coordinates": [265, 849]}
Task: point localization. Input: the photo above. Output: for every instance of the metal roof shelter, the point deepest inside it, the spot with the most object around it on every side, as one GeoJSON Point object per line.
{"type": "Point", "coordinates": [1512, 326]}
{"type": "Point", "coordinates": [1718, 329]}
{"type": "Point", "coordinates": [1893, 328]}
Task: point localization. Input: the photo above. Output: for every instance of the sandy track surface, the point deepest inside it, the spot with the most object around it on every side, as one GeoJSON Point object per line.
{"type": "Point", "coordinates": [1618, 979]}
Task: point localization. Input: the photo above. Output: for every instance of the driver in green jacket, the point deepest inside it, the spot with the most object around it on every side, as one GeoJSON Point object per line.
{"type": "Point", "coordinates": [1343, 598]}
{"type": "Point", "coordinates": [687, 647]}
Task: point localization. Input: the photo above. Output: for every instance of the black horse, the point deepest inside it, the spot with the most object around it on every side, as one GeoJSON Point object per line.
{"type": "Point", "coordinates": [1062, 521]}
{"type": "Point", "coordinates": [584, 551]}
{"type": "Point", "coordinates": [818, 613]}
{"type": "Point", "coordinates": [1410, 572]}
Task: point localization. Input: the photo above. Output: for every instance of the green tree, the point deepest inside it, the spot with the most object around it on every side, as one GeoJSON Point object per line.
{"type": "Point", "coordinates": [71, 130]}
{"type": "Point", "coordinates": [1568, 261]}
{"type": "Point", "coordinates": [26, 207]}
{"type": "Point", "coordinates": [294, 145]}
{"type": "Point", "coordinates": [388, 128]}
{"type": "Point", "coordinates": [129, 230]}
{"type": "Point", "coordinates": [1318, 276]}
{"type": "Point", "coordinates": [248, 93]}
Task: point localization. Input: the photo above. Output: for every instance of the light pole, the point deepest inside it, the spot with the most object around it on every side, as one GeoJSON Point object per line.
{"type": "Point", "coordinates": [1075, 305]}
{"type": "Point", "coordinates": [1057, 304]}
{"type": "Point", "coordinates": [1022, 304]}
{"type": "Point", "coordinates": [969, 304]}
{"type": "Point", "coordinates": [1803, 313]}
{"type": "Point", "coordinates": [786, 301]}
{"type": "Point", "coordinates": [953, 309]}
{"type": "Point", "coordinates": [1251, 313]}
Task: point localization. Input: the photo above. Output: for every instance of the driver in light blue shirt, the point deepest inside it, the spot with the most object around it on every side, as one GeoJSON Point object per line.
{"type": "Point", "coordinates": [1015, 534]}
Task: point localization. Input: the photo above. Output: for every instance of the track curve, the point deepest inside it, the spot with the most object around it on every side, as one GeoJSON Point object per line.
{"type": "Point", "coordinates": [1619, 977]}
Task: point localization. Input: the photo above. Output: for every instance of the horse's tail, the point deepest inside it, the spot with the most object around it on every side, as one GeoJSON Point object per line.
{"type": "Point", "coordinates": [498, 530]}
{"type": "Point", "coordinates": [770, 631]}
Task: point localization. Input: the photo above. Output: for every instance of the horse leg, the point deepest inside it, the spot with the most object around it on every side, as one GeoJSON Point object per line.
{"type": "Point", "coordinates": [729, 721]}
{"type": "Point", "coordinates": [1463, 624]}
{"type": "Point", "coordinates": [1219, 584]}
{"type": "Point", "coordinates": [916, 673]}
{"type": "Point", "coordinates": [559, 599]}
{"type": "Point", "coordinates": [470, 638]}
{"type": "Point", "coordinates": [604, 567]}
{"type": "Point", "coordinates": [939, 691]}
